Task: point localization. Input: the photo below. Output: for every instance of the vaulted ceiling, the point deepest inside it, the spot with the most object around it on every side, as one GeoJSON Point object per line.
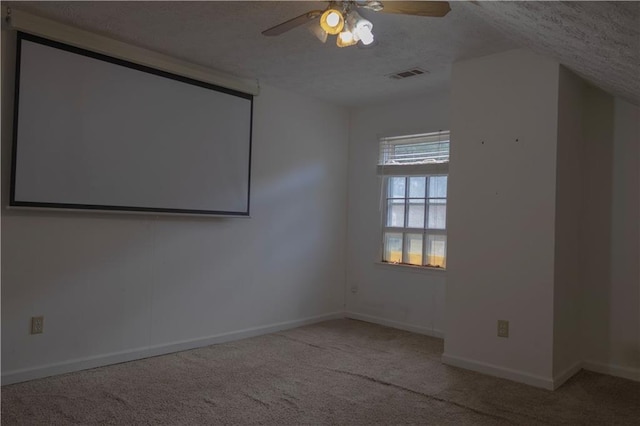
{"type": "Point", "coordinates": [597, 40]}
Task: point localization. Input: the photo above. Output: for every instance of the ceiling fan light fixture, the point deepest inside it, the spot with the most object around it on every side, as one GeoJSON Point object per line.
{"type": "Point", "coordinates": [363, 31]}
{"type": "Point", "coordinates": [332, 21]}
{"type": "Point", "coordinates": [341, 17]}
{"type": "Point", "coordinates": [366, 37]}
{"type": "Point", "coordinates": [346, 38]}
{"type": "Point", "coordinates": [360, 27]}
{"type": "Point", "coordinates": [317, 31]}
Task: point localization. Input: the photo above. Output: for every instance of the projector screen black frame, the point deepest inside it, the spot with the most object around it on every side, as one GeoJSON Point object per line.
{"type": "Point", "coordinates": [110, 208]}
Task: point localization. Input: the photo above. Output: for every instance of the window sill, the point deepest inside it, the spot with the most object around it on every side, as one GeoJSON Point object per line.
{"type": "Point", "coordinates": [412, 268]}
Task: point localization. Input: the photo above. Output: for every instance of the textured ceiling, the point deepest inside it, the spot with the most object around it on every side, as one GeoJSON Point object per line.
{"type": "Point", "coordinates": [597, 40]}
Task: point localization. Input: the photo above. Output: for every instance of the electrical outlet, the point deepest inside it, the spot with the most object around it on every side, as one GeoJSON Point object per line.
{"type": "Point", "coordinates": [503, 328]}
{"type": "Point", "coordinates": [354, 289]}
{"type": "Point", "coordinates": [37, 325]}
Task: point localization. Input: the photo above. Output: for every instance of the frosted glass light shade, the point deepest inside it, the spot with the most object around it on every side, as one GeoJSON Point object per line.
{"type": "Point", "coordinates": [346, 38]}
{"type": "Point", "coordinates": [365, 34]}
{"type": "Point", "coordinates": [363, 29]}
{"type": "Point", "coordinates": [317, 31]}
{"type": "Point", "coordinates": [332, 21]}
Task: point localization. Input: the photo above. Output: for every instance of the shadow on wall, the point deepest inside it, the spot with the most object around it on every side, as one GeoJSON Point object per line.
{"type": "Point", "coordinates": [625, 244]}
{"type": "Point", "coordinates": [610, 254]}
{"type": "Point", "coordinates": [596, 221]}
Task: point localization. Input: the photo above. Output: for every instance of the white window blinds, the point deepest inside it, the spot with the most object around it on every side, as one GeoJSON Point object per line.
{"type": "Point", "coordinates": [414, 154]}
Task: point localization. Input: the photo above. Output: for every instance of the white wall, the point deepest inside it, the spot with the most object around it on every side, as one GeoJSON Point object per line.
{"type": "Point", "coordinates": [501, 215]}
{"type": "Point", "coordinates": [116, 287]}
{"type": "Point", "coordinates": [569, 209]}
{"type": "Point", "coordinates": [624, 309]}
{"type": "Point", "coordinates": [543, 223]}
{"type": "Point", "coordinates": [388, 294]}
{"type": "Point", "coordinates": [611, 284]}
{"type": "Point", "coordinates": [596, 234]}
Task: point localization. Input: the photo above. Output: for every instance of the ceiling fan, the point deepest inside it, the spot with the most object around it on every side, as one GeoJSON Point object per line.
{"type": "Point", "coordinates": [341, 18]}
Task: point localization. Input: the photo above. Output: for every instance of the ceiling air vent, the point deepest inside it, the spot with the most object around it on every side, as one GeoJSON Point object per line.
{"type": "Point", "coordinates": [408, 73]}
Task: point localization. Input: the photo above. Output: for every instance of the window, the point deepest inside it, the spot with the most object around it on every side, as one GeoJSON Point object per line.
{"type": "Point", "coordinates": [414, 172]}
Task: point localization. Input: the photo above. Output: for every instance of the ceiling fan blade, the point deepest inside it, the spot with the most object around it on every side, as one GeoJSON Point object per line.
{"type": "Point", "coordinates": [420, 8]}
{"type": "Point", "coordinates": [292, 23]}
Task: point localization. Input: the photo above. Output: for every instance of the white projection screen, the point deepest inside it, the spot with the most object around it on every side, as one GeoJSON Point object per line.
{"type": "Point", "coordinates": [98, 133]}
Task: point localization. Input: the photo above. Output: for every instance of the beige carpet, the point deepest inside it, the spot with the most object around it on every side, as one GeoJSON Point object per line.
{"type": "Point", "coordinates": [341, 372]}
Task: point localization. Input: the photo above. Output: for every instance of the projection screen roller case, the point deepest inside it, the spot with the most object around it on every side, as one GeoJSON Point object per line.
{"type": "Point", "coordinates": [95, 132]}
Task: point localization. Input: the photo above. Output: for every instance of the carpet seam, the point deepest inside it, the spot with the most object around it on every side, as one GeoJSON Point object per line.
{"type": "Point", "coordinates": [475, 410]}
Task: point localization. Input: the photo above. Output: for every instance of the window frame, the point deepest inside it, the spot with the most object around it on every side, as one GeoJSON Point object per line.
{"type": "Point", "coordinates": [407, 171]}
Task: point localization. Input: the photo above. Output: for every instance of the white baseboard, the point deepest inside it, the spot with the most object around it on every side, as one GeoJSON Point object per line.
{"type": "Point", "coordinates": [395, 324]}
{"type": "Point", "coordinates": [559, 379]}
{"type": "Point", "coordinates": [497, 371]}
{"type": "Point", "coordinates": [613, 370]}
{"type": "Point", "coordinates": [23, 375]}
